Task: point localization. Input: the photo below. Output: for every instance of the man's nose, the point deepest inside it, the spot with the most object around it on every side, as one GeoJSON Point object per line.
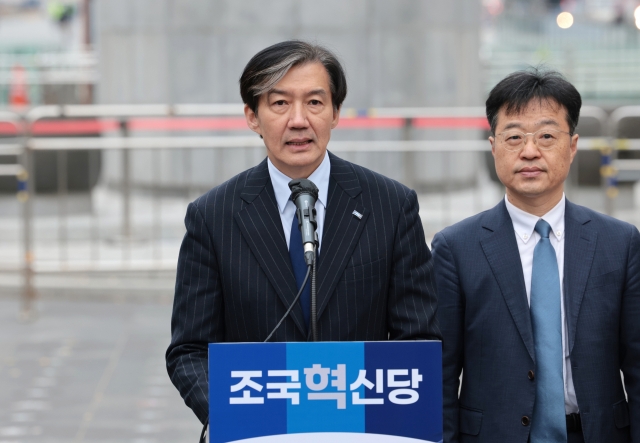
{"type": "Point", "coordinates": [298, 116]}
{"type": "Point", "coordinates": [530, 149]}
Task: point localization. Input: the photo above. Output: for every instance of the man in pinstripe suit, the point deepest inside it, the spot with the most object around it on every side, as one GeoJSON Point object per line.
{"type": "Point", "coordinates": [235, 278]}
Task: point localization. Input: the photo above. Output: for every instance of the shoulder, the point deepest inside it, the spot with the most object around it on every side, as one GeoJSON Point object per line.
{"type": "Point", "coordinates": [473, 226]}
{"type": "Point", "coordinates": [605, 225]}
{"type": "Point", "coordinates": [371, 183]}
{"type": "Point", "coordinates": [228, 192]}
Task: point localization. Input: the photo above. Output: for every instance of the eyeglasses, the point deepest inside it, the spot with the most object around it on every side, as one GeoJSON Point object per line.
{"type": "Point", "coordinates": [544, 139]}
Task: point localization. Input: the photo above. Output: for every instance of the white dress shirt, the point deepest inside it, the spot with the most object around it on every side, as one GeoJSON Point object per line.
{"type": "Point", "coordinates": [524, 225]}
{"type": "Point", "coordinates": [320, 177]}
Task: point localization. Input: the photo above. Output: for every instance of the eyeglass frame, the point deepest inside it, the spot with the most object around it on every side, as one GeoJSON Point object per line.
{"type": "Point", "coordinates": [527, 134]}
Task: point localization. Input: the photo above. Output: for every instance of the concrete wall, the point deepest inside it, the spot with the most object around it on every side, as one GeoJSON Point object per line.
{"type": "Point", "coordinates": [396, 53]}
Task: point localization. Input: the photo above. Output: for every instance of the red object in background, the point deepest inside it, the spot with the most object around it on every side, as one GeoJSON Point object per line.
{"type": "Point", "coordinates": [18, 92]}
{"type": "Point", "coordinates": [451, 122]}
{"type": "Point", "coordinates": [74, 127]}
{"type": "Point", "coordinates": [370, 123]}
{"type": "Point", "coordinates": [172, 124]}
{"type": "Point", "coordinates": [8, 129]}
{"type": "Point", "coordinates": [189, 124]}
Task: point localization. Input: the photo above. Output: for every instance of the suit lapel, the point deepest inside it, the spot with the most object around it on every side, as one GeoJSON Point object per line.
{"type": "Point", "coordinates": [261, 227]}
{"type": "Point", "coordinates": [579, 249]}
{"type": "Point", "coordinates": [342, 228]}
{"type": "Point", "coordinates": [501, 249]}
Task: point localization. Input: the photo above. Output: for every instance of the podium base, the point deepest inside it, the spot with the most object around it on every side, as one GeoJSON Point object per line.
{"type": "Point", "coordinates": [323, 437]}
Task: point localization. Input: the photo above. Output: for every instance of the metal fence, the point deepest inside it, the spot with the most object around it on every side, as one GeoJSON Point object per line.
{"type": "Point", "coordinates": [602, 60]}
{"type": "Point", "coordinates": [105, 188]}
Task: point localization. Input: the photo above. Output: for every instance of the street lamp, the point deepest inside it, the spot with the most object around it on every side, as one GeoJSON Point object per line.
{"type": "Point", "coordinates": [565, 20]}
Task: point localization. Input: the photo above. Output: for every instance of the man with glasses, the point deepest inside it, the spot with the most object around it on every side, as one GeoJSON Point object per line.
{"type": "Point", "coordinates": [538, 298]}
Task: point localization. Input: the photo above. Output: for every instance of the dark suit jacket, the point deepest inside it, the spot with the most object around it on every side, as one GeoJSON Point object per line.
{"type": "Point", "coordinates": [235, 280]}
{"type": "Point", "coordinates": [486, 325]}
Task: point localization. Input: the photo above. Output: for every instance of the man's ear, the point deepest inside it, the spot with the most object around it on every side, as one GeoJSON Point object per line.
{"type": "Point", "coordinates": [336, 117]}
{"type": "Point", "coordinates": [252, 120]}
{"type": "Point", "coordinates": [492, 140]}
{"type": "Point", "coordinates": [574, 146]}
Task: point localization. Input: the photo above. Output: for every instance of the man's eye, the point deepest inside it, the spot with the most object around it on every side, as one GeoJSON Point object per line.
{"type": "Point", "coordinates": [279, 103]}
{"type": "Point", "coordinates": [315, 102]}
{"type": "Point", "coordinates": [514, 137]}
{"type": "Point", "coordinates": [546, 135]}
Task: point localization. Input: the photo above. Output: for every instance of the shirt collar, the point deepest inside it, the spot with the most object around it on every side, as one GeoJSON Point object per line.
{"type": "Point", "coordinates": [524, 223]}
{"type": "Point", "coordinates": [320, 177]}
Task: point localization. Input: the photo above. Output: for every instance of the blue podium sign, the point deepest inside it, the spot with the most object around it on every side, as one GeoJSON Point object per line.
{"type": "Point", "coordinates": [326, 391]}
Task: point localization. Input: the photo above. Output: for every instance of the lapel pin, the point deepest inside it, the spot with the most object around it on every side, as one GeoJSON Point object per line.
{"type": "Point", "coordinates": [357, 214]}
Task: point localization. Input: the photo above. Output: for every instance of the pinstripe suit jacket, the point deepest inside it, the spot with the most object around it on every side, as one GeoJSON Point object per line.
{"type": "Point", "coordinates": [235, 279]}
{"type": "Point", "coordinates": [486, 324]}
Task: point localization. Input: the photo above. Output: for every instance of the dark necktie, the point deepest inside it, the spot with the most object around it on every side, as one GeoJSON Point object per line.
{"type": "Point", "coordinates": [549, 422]}
{"type": "Point", "coordinates": [296, 254]}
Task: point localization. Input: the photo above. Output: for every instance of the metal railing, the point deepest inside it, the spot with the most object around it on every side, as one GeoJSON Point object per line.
{"type": "Point", "coordinates": [132, 220]}
{"type": "Point", "coordinates": [51, 68]}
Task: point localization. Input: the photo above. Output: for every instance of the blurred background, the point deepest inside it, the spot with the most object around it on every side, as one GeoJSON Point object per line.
{"type": "Point", "coordinates": [114, 114]}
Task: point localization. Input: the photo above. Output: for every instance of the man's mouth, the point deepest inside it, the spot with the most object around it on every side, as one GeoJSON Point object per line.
{"type": "Point", "coordinates": [299, 142]}
{"type": "Point", "coordinates": [530, 171]}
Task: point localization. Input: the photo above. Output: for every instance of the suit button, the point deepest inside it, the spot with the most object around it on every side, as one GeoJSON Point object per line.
{"type": "Point", "coordinates": [531, 375]}
{"type": "Point", "coordinates": [525, 421]}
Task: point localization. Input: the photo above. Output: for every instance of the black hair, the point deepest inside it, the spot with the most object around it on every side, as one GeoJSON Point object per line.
{"type": "Point", "coordinates": [268, 66]}
{"type": "Point", "coordinates": [516, 91]}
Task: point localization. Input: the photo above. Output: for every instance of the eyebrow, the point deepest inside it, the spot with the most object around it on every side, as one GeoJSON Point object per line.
{"type": "Point", "coordinates": [538, 123]}
{"type": "Point", "coordinates": [319, 91]}
{"type": "Point", "coordinates": [278, 91]}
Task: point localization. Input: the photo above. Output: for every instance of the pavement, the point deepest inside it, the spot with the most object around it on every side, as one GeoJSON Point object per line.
{"type": "Point", "coordinates": [91, 370]}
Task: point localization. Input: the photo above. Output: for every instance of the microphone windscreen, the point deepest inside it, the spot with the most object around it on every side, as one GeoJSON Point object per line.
{"type": "Point", "coordinates": [302, 186]}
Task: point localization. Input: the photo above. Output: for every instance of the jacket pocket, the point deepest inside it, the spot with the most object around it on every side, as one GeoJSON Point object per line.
{"type": "Point", "coordinates": [621, 414]}
{"type": "Point", "coordinates": [470, 421]}
{"type": "Point", "coordinates": [365, 271]}
{"type": "Point", "coordinates": [598, 281]}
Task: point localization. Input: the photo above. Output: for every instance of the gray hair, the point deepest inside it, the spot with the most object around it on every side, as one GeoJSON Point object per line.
{"type": "Point", "coordinates": [270, 65]}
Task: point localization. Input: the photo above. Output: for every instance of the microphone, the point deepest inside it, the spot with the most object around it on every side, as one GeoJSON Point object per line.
{"type": "Point", "coordinates": [304, 194]}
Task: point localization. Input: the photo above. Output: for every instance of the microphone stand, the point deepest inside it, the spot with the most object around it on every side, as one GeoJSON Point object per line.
{"type": "Point", "coordinates": [204, 435]}
{"type": "Point", "coordinates": [314, 307]}
{"type": "Point", "coordinates": [304, 194]}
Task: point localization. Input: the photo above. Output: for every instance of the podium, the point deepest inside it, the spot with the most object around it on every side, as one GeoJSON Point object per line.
{"type": "Point", "coordinates": [357, 392]}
